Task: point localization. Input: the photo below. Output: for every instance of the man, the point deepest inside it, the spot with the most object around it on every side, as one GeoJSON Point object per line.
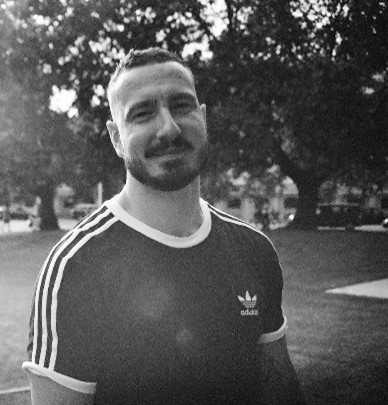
{"type": "Point", "coordinates": [157, 297]}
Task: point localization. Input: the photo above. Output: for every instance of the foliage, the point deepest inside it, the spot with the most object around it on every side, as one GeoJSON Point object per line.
{"type": "Point", "coordinates": [301, 84]}
{"type": "Point", "coordinates": [297, 86]}
{"type": "Point", "coordinates": [73, 45]}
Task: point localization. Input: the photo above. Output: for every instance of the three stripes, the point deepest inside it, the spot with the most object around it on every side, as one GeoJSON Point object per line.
{"type": "Point", "coordinates": [45, 340]}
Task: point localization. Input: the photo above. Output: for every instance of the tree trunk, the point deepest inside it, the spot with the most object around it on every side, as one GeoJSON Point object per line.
{"type": "Point", "coordinates": [46, 192]}
{"type": "Point", "coordinates": [308, 189]}
{"type": "Point", "coordinates": [305, 217]}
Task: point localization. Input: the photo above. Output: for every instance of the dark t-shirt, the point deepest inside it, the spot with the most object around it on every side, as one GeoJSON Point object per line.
{"type": "Point", "coordinates": [142, 317]}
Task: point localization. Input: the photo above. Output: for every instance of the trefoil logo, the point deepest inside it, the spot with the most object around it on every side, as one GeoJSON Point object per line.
{"type": "Point", "coordinates": [249, 303]}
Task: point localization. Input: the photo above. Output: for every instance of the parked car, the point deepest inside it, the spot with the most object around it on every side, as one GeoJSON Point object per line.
{"type": "Point", "coordinates": [339, 215]}
{"type": "Point", "coordinates": [82, 209]}
{"type": "Point", "coordinates": [372, 215]}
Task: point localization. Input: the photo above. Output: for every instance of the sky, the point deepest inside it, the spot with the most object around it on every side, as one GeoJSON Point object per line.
{"type": "Point", "coordinates": [62, 99]}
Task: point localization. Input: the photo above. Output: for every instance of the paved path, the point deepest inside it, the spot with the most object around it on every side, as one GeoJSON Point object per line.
{"type": "Point", "coordinates": [373, 289]}
{"type": "Point", "coordinates": [364, 228]}
{"type": "Point", "coordinates": [20, 226]}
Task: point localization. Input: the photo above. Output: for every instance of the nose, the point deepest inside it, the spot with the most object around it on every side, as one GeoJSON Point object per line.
{"type": "Point", "coordinates": [168, 129]}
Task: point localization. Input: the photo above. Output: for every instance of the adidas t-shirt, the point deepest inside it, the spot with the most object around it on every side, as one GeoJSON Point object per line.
{"type": "Point", "coordinates": [138, 316]}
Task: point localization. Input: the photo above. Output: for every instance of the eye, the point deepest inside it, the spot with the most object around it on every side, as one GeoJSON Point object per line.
{"type": "Point", "coordinates": [142, 114]}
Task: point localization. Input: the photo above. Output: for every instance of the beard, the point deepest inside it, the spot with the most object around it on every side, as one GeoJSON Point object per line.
{"type": "Point", "coordinates": [176, 174]}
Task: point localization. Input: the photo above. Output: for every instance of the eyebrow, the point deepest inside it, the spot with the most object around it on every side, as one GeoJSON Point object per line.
{"type": "Point", "coordinates": [182, 95]}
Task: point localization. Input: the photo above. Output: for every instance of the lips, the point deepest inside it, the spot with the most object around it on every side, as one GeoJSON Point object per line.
{"type": "Point", "coordinates": [165, 149]}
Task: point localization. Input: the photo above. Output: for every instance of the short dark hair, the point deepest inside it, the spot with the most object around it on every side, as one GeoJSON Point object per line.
{"type": "Point", "coordinates": [143, 57]}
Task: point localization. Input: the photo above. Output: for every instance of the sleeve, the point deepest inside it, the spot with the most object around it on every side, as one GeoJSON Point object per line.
{"type": "Point", "coordinates": [274, 323]}
{"type": "Point", "coordinates": [64, 324]}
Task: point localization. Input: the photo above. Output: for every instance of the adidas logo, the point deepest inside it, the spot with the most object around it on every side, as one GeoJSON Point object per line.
{"type": "Point", "coordinates": [249, 303]}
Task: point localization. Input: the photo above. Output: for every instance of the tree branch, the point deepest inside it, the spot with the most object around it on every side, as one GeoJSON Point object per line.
{"type": "Point", "coordinates": [286, 164]}
{"type": "Point", "coordinates": [231, 17]}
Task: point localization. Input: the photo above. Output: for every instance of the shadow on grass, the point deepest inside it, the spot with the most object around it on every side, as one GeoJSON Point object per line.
{"type": "Point", "coordinates": [338, 343]}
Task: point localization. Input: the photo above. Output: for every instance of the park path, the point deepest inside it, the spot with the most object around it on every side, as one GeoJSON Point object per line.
{"type": "Point", "coordinates": [20, 226]}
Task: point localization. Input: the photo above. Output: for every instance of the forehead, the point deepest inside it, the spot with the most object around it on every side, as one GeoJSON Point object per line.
{"type": "Point", "coordinates": [151, 81]}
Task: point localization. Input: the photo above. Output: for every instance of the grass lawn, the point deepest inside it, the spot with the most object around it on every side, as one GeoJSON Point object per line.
{"type": "Point", "coordinates": [338, 343]}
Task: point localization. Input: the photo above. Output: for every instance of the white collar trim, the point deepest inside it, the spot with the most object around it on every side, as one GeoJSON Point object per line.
{"type": "Point", "coordinates": [161, 237]}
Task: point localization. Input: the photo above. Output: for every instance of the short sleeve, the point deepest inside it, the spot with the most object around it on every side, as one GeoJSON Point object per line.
{"type": "Point", "coordinates": [65, 323]}
{"type": "Point", "coordinates": [274, 323]}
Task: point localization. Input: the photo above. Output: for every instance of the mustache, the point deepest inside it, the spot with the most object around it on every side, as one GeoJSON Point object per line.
{"type": "Point", "coordinates": [162, 146]}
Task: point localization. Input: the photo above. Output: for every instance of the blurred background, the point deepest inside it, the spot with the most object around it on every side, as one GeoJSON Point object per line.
{"type": "Point", "coordinates": [297, 102]}
{"type": "Point", "coordinates": [296, 94]}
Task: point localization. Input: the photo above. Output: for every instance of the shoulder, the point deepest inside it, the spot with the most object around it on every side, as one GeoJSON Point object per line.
{"type": "Point", "coordinates": [251, 245]}
{"type": "Point", "coordinates": [72, 247]}
{"type": "Point", "coordinates": [241, 230]}
{"type": "Point", "coordinates": [68, 305]}
{"type": "Point", "coordinates": [67, 268]}
{"type": "Point", "coordinates": [86, 236]}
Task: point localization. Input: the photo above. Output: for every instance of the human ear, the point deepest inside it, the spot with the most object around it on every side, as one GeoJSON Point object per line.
{"type": "Point", "coordinates": [115, 137]}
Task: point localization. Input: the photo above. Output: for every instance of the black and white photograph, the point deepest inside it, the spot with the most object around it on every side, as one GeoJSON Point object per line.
{"type": "Point", "coordinates": [193, 202]}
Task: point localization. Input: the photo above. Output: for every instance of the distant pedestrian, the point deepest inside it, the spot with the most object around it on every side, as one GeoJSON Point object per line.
{"type": "Point", "coordinates": [6, 218]}
{"type": "Point", "coordinates": [35, 217]}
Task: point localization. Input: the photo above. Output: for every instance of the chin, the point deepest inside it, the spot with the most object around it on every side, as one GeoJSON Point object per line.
{"type": "Point", "coordinates": [171, 182]}
{"type": "Point", "coordinates": [169, 175]}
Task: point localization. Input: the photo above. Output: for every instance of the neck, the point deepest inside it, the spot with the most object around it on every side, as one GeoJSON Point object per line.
{"type": "Point", "coordinates": [176, 213]}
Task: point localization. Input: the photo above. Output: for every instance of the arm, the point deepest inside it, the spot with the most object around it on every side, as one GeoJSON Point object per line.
{"type": "Point", "coordinates": [278, 380]}
{"type": "Point", "coordinates": [47, 392]}
{"type": "Point", "coordinates": [62, 362]}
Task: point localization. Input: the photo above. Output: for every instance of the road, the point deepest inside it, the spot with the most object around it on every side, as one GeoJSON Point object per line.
{"type": "Point", "coordinates": [20, 226]}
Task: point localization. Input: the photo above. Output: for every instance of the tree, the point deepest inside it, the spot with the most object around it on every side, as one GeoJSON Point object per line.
{"type": "Point", "coordinates": [339, 98]}
{"type": "Point", "coordinates": [299, 87]}
{"type": "Point", "coordinates": [38, 150]}
{"type": "Point", "coordinates": [74, 44]}
{"type": "Point", "coordinates": [296, 83]}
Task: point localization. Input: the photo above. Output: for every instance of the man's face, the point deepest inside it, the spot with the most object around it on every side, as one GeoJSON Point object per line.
{"type": "Point", "coordinates": [159, 128]}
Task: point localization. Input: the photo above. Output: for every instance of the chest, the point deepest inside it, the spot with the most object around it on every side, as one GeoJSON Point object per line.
{"type": "Point", "coordinates": [177, 317]}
